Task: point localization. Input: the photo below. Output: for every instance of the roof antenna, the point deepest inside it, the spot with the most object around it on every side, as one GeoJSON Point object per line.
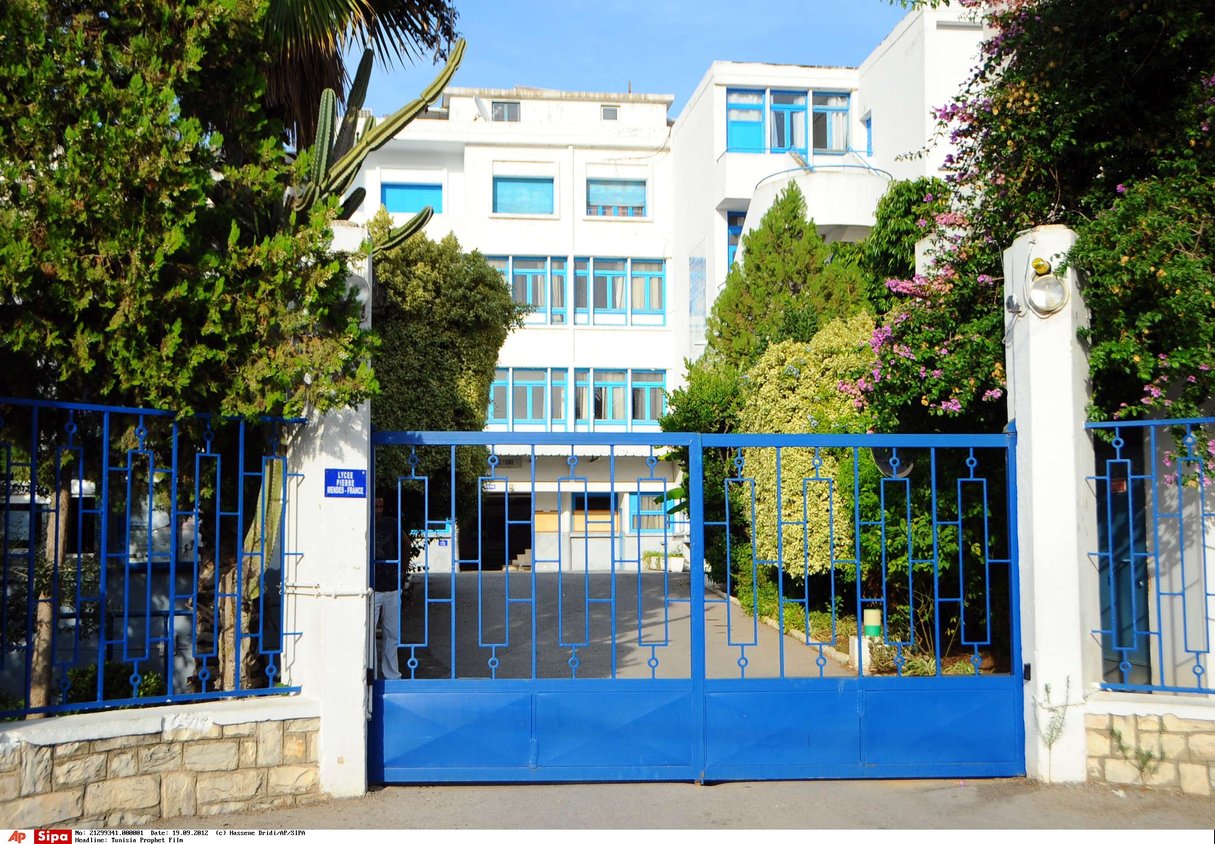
{"type": "Point", "coordinates": [630, 86]}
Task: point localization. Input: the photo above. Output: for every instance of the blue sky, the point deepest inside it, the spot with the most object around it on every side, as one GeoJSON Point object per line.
{"type": "Point", "coordinates": [659, 46]}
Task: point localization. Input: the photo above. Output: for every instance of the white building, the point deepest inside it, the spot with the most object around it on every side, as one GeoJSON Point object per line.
{"type": "Point", "coordinates": [617, 226]}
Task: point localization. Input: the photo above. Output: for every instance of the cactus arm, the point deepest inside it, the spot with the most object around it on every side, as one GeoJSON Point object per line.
{"type": "Point", "coordinates": [352, 203]}
{"type": "Point", "coordinates": [324, 136]}
{"type": "Point", "coordinates": [344, 169]}
{"type": "Point", "coordinates": [354, 102]}
{"type": "Point", "coordinates": [402, 233]}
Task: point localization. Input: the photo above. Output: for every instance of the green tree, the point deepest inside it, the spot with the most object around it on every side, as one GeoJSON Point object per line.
{"type": "Point", "coordinates": [786, 286]}
{"type": "Point", "coordinates": [139, 260]}
{"type": "Point", "coordinates": [904, 215]}
{"type": "Point", "coordinates": [794, 389]}
{"type": "Point", "coordinates": [446, 315]}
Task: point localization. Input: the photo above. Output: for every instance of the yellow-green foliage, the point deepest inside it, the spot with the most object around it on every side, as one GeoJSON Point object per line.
{"type": "Point", "coordinates": [794, 389]}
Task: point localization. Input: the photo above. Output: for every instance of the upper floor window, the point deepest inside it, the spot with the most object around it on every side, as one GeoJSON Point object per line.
{"type": "Point", "coordinates": [505, 111]}
{"type": "Point", "coordinates": [745, 120]}
{"type": "Point", "coordinates": [867, 122]}
{"type": "Point", "coordinates": [523, 195]}
{"type": "Point", "coordinates": [538, 283]}
{"type": "Point", "coordinates": [619, 291]}
{"type": "Point", "coordinates": [609, 112]}
{"type": "Point", "coordinates": [615, 197]}
{"type": "Point", "coordinates": [498, 391]}
{"type": "Point", "coordinates": [830, 122]}
{"type": "Point", "coordinates": [410, 198]}
{"type": "Point", "coordinates": [764, 120]}
{"type": "Point", "coordinates": [788, 119]}
{"type": "Point", "coordinates": [734, 227]}
{"type": "Point", "coordinates": [649, 391]}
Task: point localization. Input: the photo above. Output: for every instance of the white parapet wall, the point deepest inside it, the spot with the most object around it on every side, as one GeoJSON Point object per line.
{"type": "Point", "coordinates": [1056, 517]}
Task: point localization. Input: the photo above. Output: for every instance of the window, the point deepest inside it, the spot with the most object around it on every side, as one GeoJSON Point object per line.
{"type": "Point", "coordinates": [529, 282]}
{"type": "Point", "coordinates": [593, 512]}
{"type": "Point", "coordinates": [648, 393]}
{"type": "Point", "coordinates": [614, 398]}
{"type": "Point", "coordinates": [558, 395]}
{"type": "Point", "coordinates": [557, 281]}
{"type": "Point", "coordinates": [647, 291]}
{"type": "Point", "coordinates": [745, 121]}
{"type": "Point", "coordinates": [609, 112]}
{"type": "Point", "coordinates": [527, 395]}
{"type": "Point", "coordinates": [867, 122]}
{"type": "Point", "coordinates": [409, 198]}
{"type": "Point", "coordinates": [600, 396]}
{"type": "Point", "coordinates": [788, 117]}
{"type": "Point", "coordinates": [615, 197]}
{"type": "Point", "coordinates": [538, 283]}
{"type": "Point", "coordinates": [523, 195]}
{"type": "Point", "coordinates": [734, 227]}
{"type": "Point", "coordinates": [607, 285]}
{"type": "Point", "coordinates": [505, 112]}
{"type": "Point", "coordinates": [609, 396]}
{"type": "Point", "coordinates": [784, 113]}
{"type": "Point", "coordinates": [830, 122]}
{"type": "Point", "coordinates": [647, 513]}
{"type": "Point", "coordinates": [497, 396]}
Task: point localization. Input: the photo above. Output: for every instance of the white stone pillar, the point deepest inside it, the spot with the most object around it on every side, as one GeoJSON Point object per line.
{"type": "Point", "coordinates": [1056, 509]}
{"type": "Point", "coordinates": [328, 601]}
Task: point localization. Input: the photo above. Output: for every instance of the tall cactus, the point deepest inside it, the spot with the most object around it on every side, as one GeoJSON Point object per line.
{"type": "Point", "coordinates": [339, 153]}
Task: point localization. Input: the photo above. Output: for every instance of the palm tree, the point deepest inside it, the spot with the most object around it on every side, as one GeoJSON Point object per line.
{"type": "Point", "coordinates": [308, 37]}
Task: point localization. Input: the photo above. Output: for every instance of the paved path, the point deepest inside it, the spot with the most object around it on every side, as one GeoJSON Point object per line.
{"type": "Point", "coordinates": [609, 624]}
{"type": "Point", "coordinates": [881, 804]}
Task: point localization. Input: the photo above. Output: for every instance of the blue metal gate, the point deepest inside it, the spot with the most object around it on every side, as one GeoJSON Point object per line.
{"type": "Point", "coordinates": [577, 607]}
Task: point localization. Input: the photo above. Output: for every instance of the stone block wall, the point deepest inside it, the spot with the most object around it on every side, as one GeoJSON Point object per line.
{"type": "Point", "coordinates": [135, 769]}
{"type": "Point", "coordinates": [1183, 751]}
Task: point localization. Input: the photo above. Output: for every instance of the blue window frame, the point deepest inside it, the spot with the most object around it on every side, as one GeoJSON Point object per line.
{"type": "Point", "coordinates": [529, 282]}
{"type": "Point", "coordinates": [744, 120]}
{"type": "Point", "coordinates": [582, 284]}
{"type": "Point", "coordinates": [608, 285]}
{"type": "Point", "coordinates": [647, 513]}
{"type": "Point", "coordinates": [648, 286]}
{"type": "Point", "coordinates": [523, 195]}
{"type": "Point", "coordinates": [557, 277]}
{"type": "Point", "coordinates": [615, 197]}
{"type": "Point", "coordinates": [528, 387]}
{"type": "Point", "coordinates": [734, 227]}
{"type": "Point", "coordinates": [649, 396]}
{"type": "Point", "coordinates": [830, 122]}
{"type": "Point", "coordinates": [498, 397]}
{"type": "Point", "coordinates": [867, 122]}
{"type": "Point", "coordinates": [788, 121]}
{"type": "Point", "coordinates": [410, 198]}
{"type": "Point", "coordinates": [557, 397]}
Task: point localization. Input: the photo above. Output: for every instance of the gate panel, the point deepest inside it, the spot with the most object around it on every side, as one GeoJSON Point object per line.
{"type": "Point", "coordinates": [561, 624]}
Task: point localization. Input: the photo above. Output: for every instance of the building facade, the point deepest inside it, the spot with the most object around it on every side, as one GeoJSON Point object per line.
{"type": "Point", "coordinates": [616, 226]}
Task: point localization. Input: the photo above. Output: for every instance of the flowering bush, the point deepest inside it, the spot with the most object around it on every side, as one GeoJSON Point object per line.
{"type": "Point", "coordinates": [1096, 115]}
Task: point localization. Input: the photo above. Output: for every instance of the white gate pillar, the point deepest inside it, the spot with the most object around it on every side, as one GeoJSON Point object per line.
{"type": "Point", "coordinates": [1056, 510]}
{"type": "Point", "coordinates": [328, 602]}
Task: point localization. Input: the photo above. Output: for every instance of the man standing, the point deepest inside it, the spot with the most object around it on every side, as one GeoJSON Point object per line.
{"type": "Point", "coordinates": [386, 583]}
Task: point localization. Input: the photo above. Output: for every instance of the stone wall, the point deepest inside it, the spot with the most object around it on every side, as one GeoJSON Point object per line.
{"type": "Point", "coordinates": [135, 767]}
{"type": "Point", "coordinates": [1182, 751]}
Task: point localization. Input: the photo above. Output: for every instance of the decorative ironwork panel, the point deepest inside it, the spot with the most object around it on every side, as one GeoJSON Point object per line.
{"type": "Point", "coordinates": [142, 557]}
{"type": "Point", "coordinates": [1156, 534]}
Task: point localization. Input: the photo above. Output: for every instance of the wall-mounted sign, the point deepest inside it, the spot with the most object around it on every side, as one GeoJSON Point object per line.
{"type": "Point", "coordinates": [345, 483]}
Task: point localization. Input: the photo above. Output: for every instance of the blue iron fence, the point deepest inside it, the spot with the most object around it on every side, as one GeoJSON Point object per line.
{"type": "Point", "coordinates": [1155, 535]}
{"type": "Point", "coordinates": [625, 597]}
{"type": "Point", "coordinates": [142, 556]}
